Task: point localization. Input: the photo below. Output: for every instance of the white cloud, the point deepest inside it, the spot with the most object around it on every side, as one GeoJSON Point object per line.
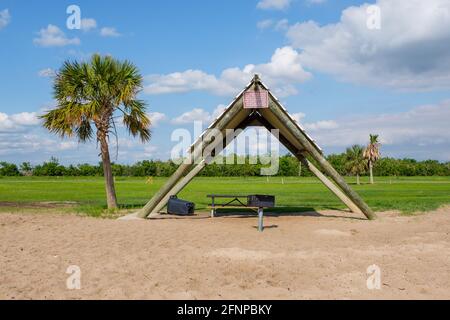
{"type": "Point", "coordinates": [149, 151]}
{"type": "Point", "coordinates": [217, 112]}
{"type": "Point", "coordinates": [52, 36]}
{"type": "Point", "coordinates": [46, 73]}
{"type": "Point", "coordinates": [282, 24]}
{"type": "Point", "coordinates": [273, 4]}
{"type": "Point", "coordinates": [199, 114]}
{"type": "Point", "coordinates": [25, 119]}
{"type": "Point", "coordinates": [156, 118]}
{"type": "Point", "coordinates": [426, 125]}
{"type": "Point", "coordinates": [5, 18]}
{"type": "Point", "coordinates": [109, 32]}
{"type": "Point", "coordinates": [88, 24]}
{"type": "Point", "coordinates": [281, 73]}
{"type": "Point", "coordinates": [67, 145]}
{"type": "Point", "coordinates": [312, 2]}
{"type": "Point", "coordinates": [410, 52]}
{"type": "Point", "coordinates": [264, 24]}
{"type": "Point", "coordinates": [321, 125]}
{"type": "Point", "coordinates": [40, 145]}
{"type": "Point", "coordinates": [17, 122]}
{"type": "Point", "coordinates": [298, 116]}
{"type": "Point", "coordinates": [196, 114]}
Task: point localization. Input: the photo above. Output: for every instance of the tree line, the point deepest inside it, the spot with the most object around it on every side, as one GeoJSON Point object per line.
{"type": "Point", "coordinates": [288, 166]}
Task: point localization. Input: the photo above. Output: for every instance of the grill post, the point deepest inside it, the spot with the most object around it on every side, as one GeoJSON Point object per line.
{"type": "Point", "coordinates": [260, 219]}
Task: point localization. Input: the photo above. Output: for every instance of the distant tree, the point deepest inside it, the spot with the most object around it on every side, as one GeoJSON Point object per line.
{"type": "Point", "coordinates": [372, 153]}
{"type": "Point", "coordinates": [355, 163]}
{"type": "Point", "coordinates": [289, 166]}
{"type": "Point", "coordinates": [51, 168]}
{"type": "Point", "coordinates": [338, 161]}
{"type": "Point", "coordinates": [89, 93]}
{"type": "Point", "coordinates": [8, 169]}
{"type": "Point", "coordinates": [26, 169]}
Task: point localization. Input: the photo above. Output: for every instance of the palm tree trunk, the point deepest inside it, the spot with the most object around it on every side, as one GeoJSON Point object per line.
{"type": "Point", "coordinates": [111, 198]}
{"type": "Point", "coordinates": [371, 172]}
{"type": "Point", "coordinates": [357, 179]}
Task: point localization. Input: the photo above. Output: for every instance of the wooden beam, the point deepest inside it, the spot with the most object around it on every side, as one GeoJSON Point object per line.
{"type": "Point", "coordinates": [178, 187]}
{"type": "Point", "coordinates": [302, 158]}
{"type": "Point", "coordinates": [330, 185]}
{"type": "Point", "coordinates": [147, 209]}
{"type": "Point", "coordinates": [193, 157]}
{"type": "Point", "coordinates": [282, 116]}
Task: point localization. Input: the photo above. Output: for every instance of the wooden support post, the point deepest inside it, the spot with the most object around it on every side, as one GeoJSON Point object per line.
{"type": "Point", "coordinates": [147, 209]}
{"type": "Point", "coordinates": [178, 187]}
{"type": "Point", "coordinates": [330, 185]}
{"type": "Point", "coordinates": [302, 159]}
{"type": "Point", "coordinates": [278, 111]}
{"type": "Point", "coordinates": [191, 175]}
{"type": "Point", "coordinates": [194, 155]}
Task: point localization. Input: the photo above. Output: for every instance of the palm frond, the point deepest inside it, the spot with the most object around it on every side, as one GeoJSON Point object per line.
{"type": "Point", "coordinates": [136, 120]}
{"type": "Point", "coordinates": [372, 151]}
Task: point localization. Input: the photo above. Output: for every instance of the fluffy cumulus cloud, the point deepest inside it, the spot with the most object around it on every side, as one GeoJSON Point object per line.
{"type": "Point", "coordinates": [274, 4]}
{"type": "Point", "coordinates": [17, 122]}
{"type": "Point", "coordinates": [199, 114]}
{"type": "Point", "coordinates": [282, 73]}
{"type": "Point", "coordinates": [409, 52]}
{"type": "Point", "coordinates": [47, 73]}
{"type": "Point", "coordinates": [88, 24]}
{"type": "Point", "coordinates": [156, 118]}
{"type": "Point", "coordinates": [422, 126]}
{"type": "Point", "coordinates": [52, 36]}
{"type": "Point", "coordinates": [19, 146]}
{"type": "Point", "coordinates": [196, 114]}
{"type": "Point", "coordinates": [109, 32]}
{"type": "Point", "coordinates": [264, 24]}
{"type": "Point", "coordinates": [298, 116]}
{"type": "Point", "coordinates": [20, 133]}
{"type": "Point", "coordinates": [312, 2]}
{"type": "Point", "coordinates": [5, 18]}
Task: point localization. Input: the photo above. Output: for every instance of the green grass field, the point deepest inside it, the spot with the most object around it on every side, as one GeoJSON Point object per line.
{"type": "Point", "coordinates": [407, 194]}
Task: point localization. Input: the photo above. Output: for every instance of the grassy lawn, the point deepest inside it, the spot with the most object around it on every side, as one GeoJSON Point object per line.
{"type": "Point", "coordinates": [407, 194]}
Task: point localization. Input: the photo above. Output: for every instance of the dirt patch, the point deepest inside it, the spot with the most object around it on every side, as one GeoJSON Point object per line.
{"type": "Point", "coordinates": [322, 256]}
{"type": "Point", "coordinates": [38, 205]}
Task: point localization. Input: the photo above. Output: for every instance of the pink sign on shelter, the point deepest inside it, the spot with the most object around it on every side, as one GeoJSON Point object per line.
{"type": "Point", "coordinates": [256, 99]}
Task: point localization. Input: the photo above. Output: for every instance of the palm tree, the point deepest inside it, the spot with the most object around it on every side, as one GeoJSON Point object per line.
{"type": "Point", "coordinates": [372, 153]}
{"type": "Point", "coordinates": [88, 94]}
{"type": "Point", "coordinates": [355, 163]}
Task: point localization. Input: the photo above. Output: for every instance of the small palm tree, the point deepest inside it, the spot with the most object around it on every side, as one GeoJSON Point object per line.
{"type": "Point", "coordinates": [88, 94]}
{"type": "Point", "coordinates": [372, 153]}
{"type": "Point", "coordinates": [355, 163]}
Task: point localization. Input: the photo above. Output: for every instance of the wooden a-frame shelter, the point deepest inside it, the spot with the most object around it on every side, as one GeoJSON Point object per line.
{"type": "Point", "coordinates": [271, 116]}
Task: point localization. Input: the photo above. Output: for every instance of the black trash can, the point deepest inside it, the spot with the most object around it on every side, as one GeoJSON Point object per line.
{"type": "Point", "coordinates": [180, 207]}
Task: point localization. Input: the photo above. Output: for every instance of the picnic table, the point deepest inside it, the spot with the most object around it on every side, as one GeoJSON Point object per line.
{"type": "Point", "coordinates": [235, 201]}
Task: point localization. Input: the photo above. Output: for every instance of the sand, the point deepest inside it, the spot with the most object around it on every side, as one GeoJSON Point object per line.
{"type": "Point", "coordinates": [321, 255]}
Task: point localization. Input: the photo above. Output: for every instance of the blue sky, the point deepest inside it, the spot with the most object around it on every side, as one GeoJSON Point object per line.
{"type": "Point", "coordinates": [339, 78]}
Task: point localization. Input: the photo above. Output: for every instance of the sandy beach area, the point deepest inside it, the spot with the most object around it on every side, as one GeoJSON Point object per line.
{"type": "Point", "coordinates": [316, 255]}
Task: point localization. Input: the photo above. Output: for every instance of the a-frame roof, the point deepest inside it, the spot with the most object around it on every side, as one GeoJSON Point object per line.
{"type": "Point", "coordinates": [270, 114]}
{"type": "Point", "coordinates": [264, 113]}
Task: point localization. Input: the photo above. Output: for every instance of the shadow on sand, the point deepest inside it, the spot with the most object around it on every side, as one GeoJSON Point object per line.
{"type": "Point", "coordinates": [270, 212]}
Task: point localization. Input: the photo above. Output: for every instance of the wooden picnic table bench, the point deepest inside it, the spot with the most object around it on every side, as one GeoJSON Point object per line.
{"type": "Point", "coordinates": [235, 201]}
